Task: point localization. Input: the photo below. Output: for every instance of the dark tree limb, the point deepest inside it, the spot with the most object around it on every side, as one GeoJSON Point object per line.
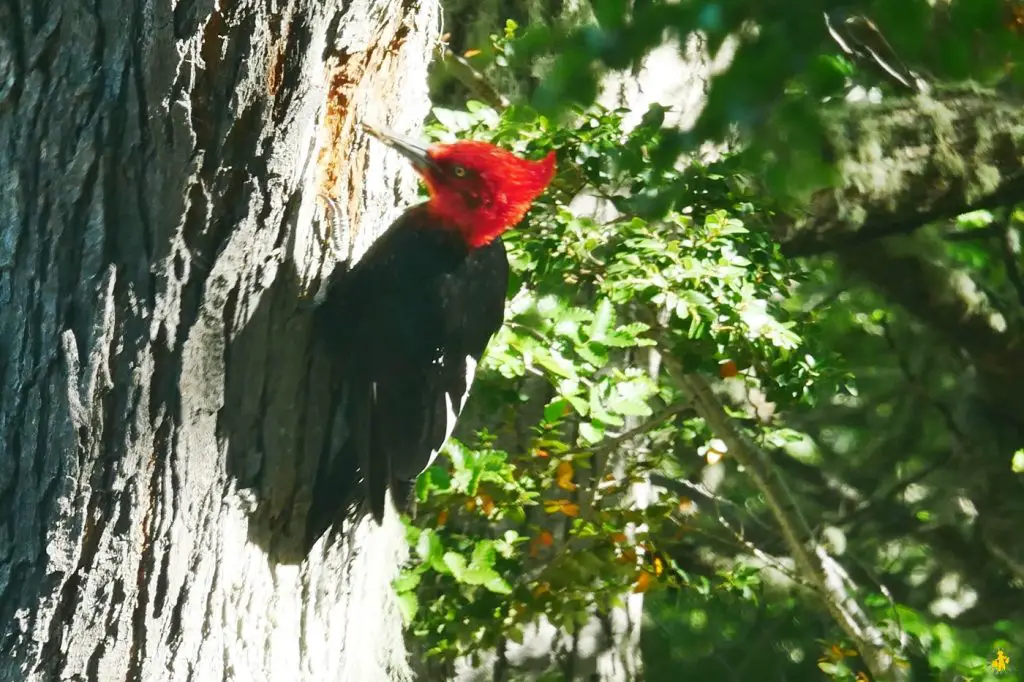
{"type": "Point", "coordinates": [865, 44]}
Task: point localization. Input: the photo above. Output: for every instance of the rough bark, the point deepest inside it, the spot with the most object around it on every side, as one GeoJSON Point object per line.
{"type": "Point", "coordinates": [164, 411]}
{"type": "Point", "coordinates": [909, 161]}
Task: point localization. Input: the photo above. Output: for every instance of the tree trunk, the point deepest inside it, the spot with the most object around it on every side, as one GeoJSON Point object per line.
{"type": "Point", "coordinates": [164, 411]}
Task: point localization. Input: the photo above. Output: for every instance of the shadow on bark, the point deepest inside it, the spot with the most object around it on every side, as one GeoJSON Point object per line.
{"type": "Point", "coordinates": [282, 415]}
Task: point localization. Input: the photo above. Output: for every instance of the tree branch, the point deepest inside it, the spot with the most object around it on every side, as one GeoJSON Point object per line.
{"type": "Point", "coordinates": [475, 81]}
{"type": "Point", "coordinates": [812, 561]}
{"type": "Point", "coordinates": [645, 427]}
{"type": "Point", "coordinates": [902, 164]}
{"type": "Point", "coordinates": [973, 235]}
{"type": "Point", "coordinates": [910, 161]}
{"type": "Point", "coordinates": [865, 44]}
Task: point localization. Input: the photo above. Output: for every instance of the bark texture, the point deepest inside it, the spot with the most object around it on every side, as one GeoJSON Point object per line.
{"type": "Point", "coordinates": [909, 161]}
{"type": "Point", "coordinates": [164, 411]}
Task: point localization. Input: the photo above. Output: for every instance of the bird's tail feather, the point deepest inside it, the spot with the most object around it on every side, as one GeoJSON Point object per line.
{"type": "Point", "coordinates": [336, 489]}
{"type": "Point", "coordinates": [392, 433]}
{"type": "Point", "coordinates": [375, 461]}
{"type": "Point", "coordinates": [405, 433]}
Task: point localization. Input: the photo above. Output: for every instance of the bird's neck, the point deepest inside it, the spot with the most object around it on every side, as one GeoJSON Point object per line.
{"type": "Point", "coordinates": [478, 228]}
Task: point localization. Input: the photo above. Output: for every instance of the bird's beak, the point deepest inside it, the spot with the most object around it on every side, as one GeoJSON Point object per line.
{"type": "Point", "coordinates": [410, 149]}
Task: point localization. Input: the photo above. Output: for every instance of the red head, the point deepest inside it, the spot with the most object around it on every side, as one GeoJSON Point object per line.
{"type": "Point", "coordinates": [477, 188]}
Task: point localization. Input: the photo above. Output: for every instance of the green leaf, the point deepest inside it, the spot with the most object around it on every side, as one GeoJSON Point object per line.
{"type": "Point", "coordinates": [691, 302]}
{"type": "Point", "coordinates": [731, 227]}
{"type": "Point", "coordinates": [555, 410]}
{"type": "Point", "coordinates": [603, 319]}
{"type": "Point", "coordinates": [579, 404]}
{"type": "Point", "coordinates": [593, 353]}
{"type": "Point", "coordinates": [407, 580]}
{"type": "Point", "coordinates": [479, 576]}
{"type": "Point", "coordinates": [452, 119]}
{"type": "Point", "coordinates": [590, 433]}
{"type": "Point", "coordinates": [630, 408]}
{"type": "Point", "coordinates": [630, 398]}
{"type": "Point", "coordinates": [408, 605]}
{"type": "Point", "coordinates": [483, 555]}
{"type": "Point", "coordinates": [498, 585]}
{"type": "Point", "coordinates": [422, 487]}
{"type": "Point", "coordinates": [434, 478]}
{"type": "Point", "coordinates": [456, 564]}
{"type": "Point", "coordinates": [556, 364]}
{"type": "Point", "coordinates": [428, 547]}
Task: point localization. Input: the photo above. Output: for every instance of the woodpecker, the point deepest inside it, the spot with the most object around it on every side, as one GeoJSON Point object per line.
{"type": "Point", "coordinates": [410, 320]}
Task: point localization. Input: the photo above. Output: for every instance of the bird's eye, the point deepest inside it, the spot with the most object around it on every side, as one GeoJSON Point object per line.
{"type": "Point", "coordinates": [459, 171]}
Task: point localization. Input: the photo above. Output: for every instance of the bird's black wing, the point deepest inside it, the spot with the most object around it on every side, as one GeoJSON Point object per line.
{"type": "Point", "coordinates": [471, 302]}
{"type": "Point", "coordinates": [407, 324]}
{"type": "Point", "coordinates": [383, 311]}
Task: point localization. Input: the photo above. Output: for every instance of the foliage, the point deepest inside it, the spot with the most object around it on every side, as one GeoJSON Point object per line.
{"type": "Point", "coordinates": [545, 510]}
{"type": "Point", "coordinates": [577, 286]}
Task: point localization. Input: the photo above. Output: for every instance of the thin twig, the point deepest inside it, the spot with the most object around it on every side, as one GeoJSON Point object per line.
{"type": "Point", "coordinates": [468, 75]}
{"type": "Point", "coordinates": [649, 425]}
{"type": "Point", "coordinates": [844, 609]}
{"type": "Point", "coordinates": [701, 495]}
{"type": "Point", "coordinates": [528, 330]}
{"type": "Point", "coordinates": [904, 364]}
